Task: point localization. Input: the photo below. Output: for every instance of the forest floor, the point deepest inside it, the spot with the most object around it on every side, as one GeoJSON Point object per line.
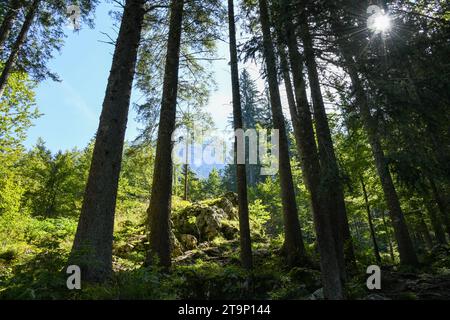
{"type": "Point", "coordinates": [32, 266]}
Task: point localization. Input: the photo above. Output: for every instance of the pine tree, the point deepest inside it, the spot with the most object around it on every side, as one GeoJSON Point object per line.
{"type": "Point", "coordinates": [160, 202]}
{"type": "Point", "coordinates": [294, 246]}
{"type": "Point", "coordinates": [241, 174]}
{"type": "Point", "coordinates": [92, 248]}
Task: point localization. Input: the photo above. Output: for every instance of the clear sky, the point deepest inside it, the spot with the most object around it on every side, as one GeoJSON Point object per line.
{"type": "Point", "coordinates": [71, 108]}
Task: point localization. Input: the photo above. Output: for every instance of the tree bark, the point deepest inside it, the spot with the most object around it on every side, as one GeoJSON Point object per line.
{"type": "Point", "coordinates": [7, 68]}
{"type": "Point", "coordinates": [442, 205]}
{"type": "Point", "coordinates": [436, 223]}
{"type": "Point", "coordinates": [376, 249]}
{"type": "Point", "coordinates": [160, 203]}
{"type": "Point", "coordinates": [92, 248]}
{"type": "Point", "coordinates": [331, 258]}
{"type": "Point", "coordinates": [294, 245]}
{"type": "Point", "coordinates": [330, 170]}
{"type": "Point", "coordinates": [424, 231]}
{"type": "Point", "coordinates": [241, 178]}
{"type": "Point", "coordinates": [8, 21]}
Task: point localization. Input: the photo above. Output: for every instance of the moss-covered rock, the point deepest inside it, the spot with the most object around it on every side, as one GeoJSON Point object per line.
{"type": "Point", "coordinates": [188, 241]}
{"type": "Point", "coordinates": [207, 220]}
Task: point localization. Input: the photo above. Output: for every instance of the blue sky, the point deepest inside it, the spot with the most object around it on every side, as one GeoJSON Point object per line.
{"type": "Point", "coordinates": [71, 108]}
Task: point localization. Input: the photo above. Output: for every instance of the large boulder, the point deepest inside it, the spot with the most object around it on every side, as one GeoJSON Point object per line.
{"type": "Point", "coordinates": [228, 205]}
{"type": "Point", "coordinates": [188, 241]}
{"type": "Point", "coordinates": [232, 197]}
{"type": "Point", "coordinates": [207, 220]}
{"type": "Point", "coordinates": [209, 223]}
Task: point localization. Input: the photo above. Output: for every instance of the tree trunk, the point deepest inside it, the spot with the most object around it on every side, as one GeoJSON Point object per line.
{"type": "Point", "coordinates": [436, 223]}
{"type": "Point", "coordinates": [294, 245]}
{"type": "Point", "coordinates": [330, 170]}
{"type": "Point", "coordinates": [424, 231]}
{"type": "Point", "coordinates": [8, 21]}
{"type": "Point", "coordinates": [92, 248]}
{"type": "Point", "coordinates": [160, 204]}
{"type": "Point", "coordinates": [7, 68]}
{"type": "Point", "coordinates": [332, 259]}
{"type": "Point", "coordinates": [241, 178]}
{"type": "Point", "coordinates": [442, 205]}
{"type": "Point", "coordinates": [405, 246]}
{"type": "Point", "coordinates": [371, 227]}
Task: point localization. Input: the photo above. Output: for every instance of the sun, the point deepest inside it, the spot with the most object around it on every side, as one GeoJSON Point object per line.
{"type": "Point", "coordinates": [382, 23]}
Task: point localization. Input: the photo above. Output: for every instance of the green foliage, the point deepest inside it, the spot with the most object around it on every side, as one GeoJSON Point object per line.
{"type": "Point", "coordinates": [212, 185]}
{"type": "Point", "coordinates": [53, 182]}
{"type": "Point", "coordinates": [259, 217]}
{"type": "Point", "coordinates": [17, 112]}
{"type": "Point", "coordinates": [269, 194]}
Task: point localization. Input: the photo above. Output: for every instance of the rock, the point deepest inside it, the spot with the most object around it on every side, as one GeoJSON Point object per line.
{"type": "Point", "coordinates": [209, 224]}
{"type": "Point", "coordinates": [185, 221]}
{"type": "Point", "coordinates": [229, 231]}
{"type": "Point", "coordinates": [228, 207]}
{"type": "Point", "coordinates": [232, 197]}
{"type": "Point", "coordinates": [213, 252]}
{"type": "Point", "coordinates": [175, 244]}
{"type": "Point", "coordinates": [207, 220]}
{"type": "Point", "coordinates": [204, 245]}
{"type": "Point", "coordinates": [188, 241]}
{"type": "Point", "coordinates": [189, 257]}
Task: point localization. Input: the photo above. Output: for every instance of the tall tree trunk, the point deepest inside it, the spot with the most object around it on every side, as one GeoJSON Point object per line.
{"type": "Point", "coordinates": [160, 203]}
{"type": "Point", "coordinates": [424, 231]}
{"type": "Point", "coordinates": [8, 21]}
{"type": "Point", "coordinates": [331, 258]}
{"type": "Point", "coordinates": [402, 236]}
{"type": "Point", "coordinates": [376, 250]}
{"type": "Point", "coordinates": [7, 68]}
{"type": "Point", "coordinates": [294, 245]}
{"type": "Point", "coordinates": [442, 205]}
{"type": "Point", "coordinates": [436, 223]}
{"type": "Point", "coordinates": [241, 178]}
{"type": "Point", "coordinates": [330, 170]}
{"type": "Point", "coordinates": [92, 248]}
